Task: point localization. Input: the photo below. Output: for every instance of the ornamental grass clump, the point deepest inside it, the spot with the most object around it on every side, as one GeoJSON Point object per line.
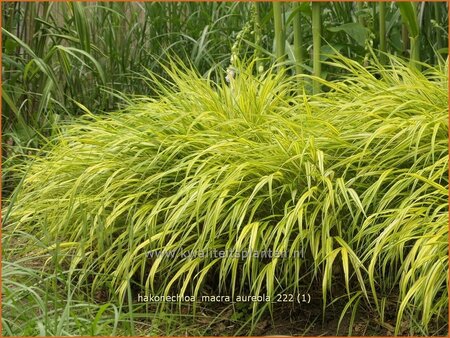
{"type": "Point", "coordinates": [351, 185]}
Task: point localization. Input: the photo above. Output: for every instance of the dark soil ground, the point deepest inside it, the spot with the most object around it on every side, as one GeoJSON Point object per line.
{"type": "Point", "coordinates": [287, 319]}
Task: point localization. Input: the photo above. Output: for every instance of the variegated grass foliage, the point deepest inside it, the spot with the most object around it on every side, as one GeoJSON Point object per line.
{"type": "Point", "coordinates": [355, 177]}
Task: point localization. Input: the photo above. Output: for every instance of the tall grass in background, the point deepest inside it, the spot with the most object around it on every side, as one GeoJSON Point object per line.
{"type": "Point", "coordinates": [56, 54]}
{"type": "Point", "coordinates": [298, 39]}
{"type": "Point", "coordinates": [382, 29]}
{"type": "Point", "coordinates": [280, 40]}
{"type": "Point", "coordinates": [411, 21]}
{"type": "Point", "coordinates": [356, 178]}
{"type": "Point", "coordinates": [317, 36]}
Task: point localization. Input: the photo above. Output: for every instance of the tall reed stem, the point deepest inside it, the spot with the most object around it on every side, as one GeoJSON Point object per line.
{"type": "Point", "coordinates": [316, 31]}
{"type": "Point", "coordinates": [405, 39]}
{"type": "Point", "coordinates": [360, 7]}
{"type": "Point", "coordinates": [298, 41]}
{"type": "Point", "coordinates": [437, 16]}
{"type": "Point", "coordinates": [382, 32]}
{"type": "Point", "coordinates": [258, 38]}
{"type": "Point", "coordinates": [279, 34]}
{"type": "Point", "coordinates": [411, 22]}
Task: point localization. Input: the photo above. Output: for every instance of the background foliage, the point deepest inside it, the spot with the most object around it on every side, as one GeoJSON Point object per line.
{"type": "Point", "coordinates": [57, 54]}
